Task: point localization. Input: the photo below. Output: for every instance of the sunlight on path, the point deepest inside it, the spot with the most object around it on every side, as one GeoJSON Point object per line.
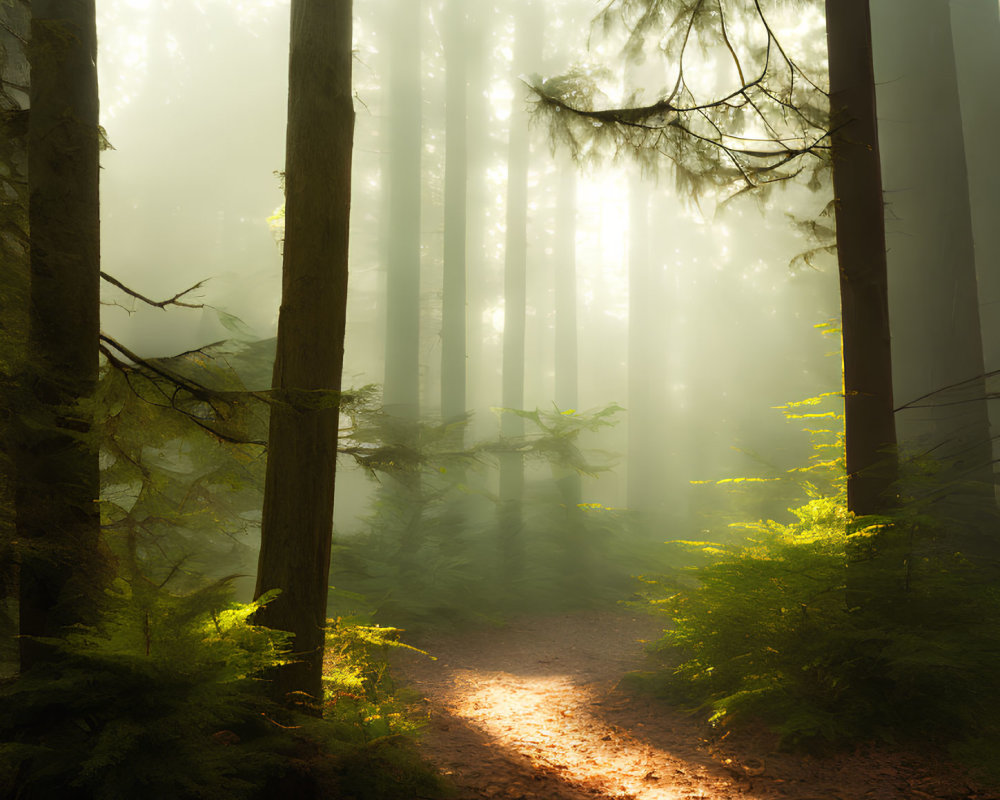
{"type": "Point", "coordinates": [534, 711]}
{"type": "Point", "coordinates": [550, 721]}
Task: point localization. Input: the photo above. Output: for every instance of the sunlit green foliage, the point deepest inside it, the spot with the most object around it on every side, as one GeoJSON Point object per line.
{"type": "Point", "coordinates": [834, 628]}
{"type": "Point", "coordinates": [166, 696]}
{"type": "Point", "coordinates": [165, 699]}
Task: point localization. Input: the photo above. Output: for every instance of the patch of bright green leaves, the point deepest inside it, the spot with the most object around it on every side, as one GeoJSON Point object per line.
{"type": "Point", "coordinates": [833, 628]}
{"type": "Point", "coordinates": [166, 699]}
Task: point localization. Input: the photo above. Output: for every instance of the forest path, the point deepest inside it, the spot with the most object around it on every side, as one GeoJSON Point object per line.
{"type": "Point", "coordinates": [536, 711]}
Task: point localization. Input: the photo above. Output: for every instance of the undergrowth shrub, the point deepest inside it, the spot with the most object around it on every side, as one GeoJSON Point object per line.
{"type": "Point", "coordinates": [832, 628]}
{"type": "Point", "coordinates": [165, 700]}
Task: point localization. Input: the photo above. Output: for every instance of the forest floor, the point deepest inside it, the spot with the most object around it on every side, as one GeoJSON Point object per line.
{"type": "Point", "coordinates": [537, 710]}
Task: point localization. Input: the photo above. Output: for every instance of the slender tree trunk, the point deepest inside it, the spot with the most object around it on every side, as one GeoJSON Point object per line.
{"type": "Point", "coordinates": [58, 479]}
{"type": "Point", "coordinates": [976, 32]}
{"type": "Point", "coordinates": [527, 48]}
{"type": "Point", "coordinates": [645, 353]}
{"type": "Point", "coordinates": [402, 495]}
{"type": "Point", "coordinates": [453, 349]}
{"type": "Point", "coordinates": [934, 297]}
{"type": "Point", "coordinates": [13, 277]}
{"type": "Point", "coordinates": [857, 179]}
{"type": "Point", "coordinates": [566, 347]}
{"type": "Point", "coordinates": [297, 520]}
{"type": "Point", "coordinates": [480, 149]}
{"type": "Point", "coordinates": [577, 560]}
{"type": "Point", "coordinates": [401, 392]}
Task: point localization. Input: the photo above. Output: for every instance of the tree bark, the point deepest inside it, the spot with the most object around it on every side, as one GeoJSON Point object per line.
{"type": "Point", "coordinates": [857, 179]}
{"type": "Point", "coordinates": [297, 519]}
{"type": "Point", "coordinates": [13, 276]}
{"type": "Point", "coordinates": [56, 498]}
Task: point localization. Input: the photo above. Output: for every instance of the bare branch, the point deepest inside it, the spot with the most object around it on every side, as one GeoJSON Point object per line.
{"type": "Point", "coordinates": [161, 304]}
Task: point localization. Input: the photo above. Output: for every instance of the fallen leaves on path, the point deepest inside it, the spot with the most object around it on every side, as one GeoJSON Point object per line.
{"type": "Point", "coordinates": [535, 711]}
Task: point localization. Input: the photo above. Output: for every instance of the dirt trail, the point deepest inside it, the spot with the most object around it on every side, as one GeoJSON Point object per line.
{"type": "Point", "coordinates": [535, 711]}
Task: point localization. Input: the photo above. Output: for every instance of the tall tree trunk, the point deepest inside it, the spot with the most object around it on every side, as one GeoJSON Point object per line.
{"type": "Point", "coordinates": [401, 392]}
{"type": "Point", "coordinates": [297, 520]}
{"type": "Point", "coordinates": [646, 465]}
{"type": "Point", "coordinates": [13, 278]}
{"type": "Point", "coordinates": [566, 347]}
{"type": "Point", "coordinates": [453, 350]}
{"type": "Point", "coordinates": [934, 299]}
{"type": "Point", "coordinates": [577, 560]}
{"type": "Point", "coordinates": [976, 32]}
{"type": "Point", "coordinates": [480, 151]}
{"type": "Point", "coordinates": [527, 50]}
{"type": "Point", "coordinates": [402, 495]}
{"type": "Point", "coordinates": [857, 180]}
{"type": "Point", "coordinates": [58, 479]}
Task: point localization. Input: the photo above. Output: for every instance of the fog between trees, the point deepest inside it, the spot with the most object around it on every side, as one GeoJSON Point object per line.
{"type": "Point", "coordinates": [556, 364]}
{"type": "Point", "coordinates": [697, 319]}
{"type": "Point", "coordinates": [194, 100]}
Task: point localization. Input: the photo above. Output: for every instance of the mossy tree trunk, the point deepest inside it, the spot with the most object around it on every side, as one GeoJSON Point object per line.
{"type": "Point", "coordinates": [56, 497]}
{"type": "Point", "coordinates": [297, 521]}
{"type": "Point", "coordinates": [857, 180]}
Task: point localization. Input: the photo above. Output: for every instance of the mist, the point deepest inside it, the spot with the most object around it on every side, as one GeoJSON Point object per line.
{"type": "Point", "coordinates": [193, 100]}
{"type": "Point", "coordinates": [499, 398]}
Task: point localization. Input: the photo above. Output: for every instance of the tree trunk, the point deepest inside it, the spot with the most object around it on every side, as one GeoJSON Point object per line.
{"type": "Point", "coordinates": [527, 49]}
{"type": "Point", "coordinates": [857, 180]}
{"type": "Point", "coordinates": [453, 350]}
{"type": "Point", "coordinates": [401, 392]}
{"type": "Point", "coordinates": [934, 298]}
{"type": "Point", "coordinates": [976, 32]}
{"type": "Point", "coordinates": [577, 559]}
{"type": "Point", "coordinates": [58, 481]}
{"type": "Point", "coordinates": [297, 519]}
{"type": "Point", "coordinates": [480, 152]}
{"type": "Point", "coordinates": [646, 463]}
{"type": "Point", "coordinates": [566, 348]}
{"type": "Point", "coordinates": [13, 279]}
